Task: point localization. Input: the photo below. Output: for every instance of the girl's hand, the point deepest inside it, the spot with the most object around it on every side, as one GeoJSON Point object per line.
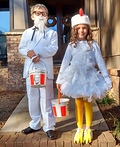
{"type": "Point", "coordinates": [111, 85]}
{"type": "Point", "coordinates": [58, 86]}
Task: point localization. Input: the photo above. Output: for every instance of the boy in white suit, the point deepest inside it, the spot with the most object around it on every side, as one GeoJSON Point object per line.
{"type": "Point", "coordinates": [39, 44]}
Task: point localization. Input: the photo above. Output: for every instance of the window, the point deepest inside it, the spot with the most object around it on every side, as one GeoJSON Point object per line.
{"type": "Point", "coordinates": [5, 23]}
{"type": "Point", "coordinates": [4, 27]}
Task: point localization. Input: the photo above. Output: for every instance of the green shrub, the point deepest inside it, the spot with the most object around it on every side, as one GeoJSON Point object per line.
{"type": "Point", "coordinates": [107, 100]}
{"type": "Point", "coordinates": [116, 132]}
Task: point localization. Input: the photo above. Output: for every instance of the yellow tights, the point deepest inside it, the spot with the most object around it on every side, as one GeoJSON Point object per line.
{"type": "Point", "coordinates": [80, 106]}
{"type": "Point", "coordinates": [83, 135]}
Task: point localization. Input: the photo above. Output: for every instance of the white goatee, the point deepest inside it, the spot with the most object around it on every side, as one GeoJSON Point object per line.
{"type": "Point", "coordinates": [40, 22]}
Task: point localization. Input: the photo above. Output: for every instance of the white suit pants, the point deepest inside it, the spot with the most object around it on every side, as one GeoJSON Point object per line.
{"type": "Point", "coordinates": [40, 106]}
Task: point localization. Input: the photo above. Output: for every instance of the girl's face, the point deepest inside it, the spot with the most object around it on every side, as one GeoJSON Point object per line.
{"type": "Point", "coordinates": [82, 31]}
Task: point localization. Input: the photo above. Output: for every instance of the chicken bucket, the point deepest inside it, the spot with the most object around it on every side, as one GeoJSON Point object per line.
{"type": "Point", "coordinates": [37, 78]}
{"type": "Point", "coordinates": [60, 109]}
{"type": "Point", "coordinates": [38, 74]}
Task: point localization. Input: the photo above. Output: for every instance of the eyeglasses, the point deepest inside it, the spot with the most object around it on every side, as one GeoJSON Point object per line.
{"type": "Point", "coordinates": [37, 13]}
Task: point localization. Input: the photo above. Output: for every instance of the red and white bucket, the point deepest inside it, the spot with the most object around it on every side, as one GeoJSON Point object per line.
{"type": "Point", "coordinates": [38, 74]}
{"type": "Point", "coordinates": [60, 107]}
{"type": "Point", "coordinates": [37, 78]}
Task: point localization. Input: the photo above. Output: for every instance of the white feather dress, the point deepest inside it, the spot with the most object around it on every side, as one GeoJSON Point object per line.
{"type": "Point", "coordinates": [79, 77]}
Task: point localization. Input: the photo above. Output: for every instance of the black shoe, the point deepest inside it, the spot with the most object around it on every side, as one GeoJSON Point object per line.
{"type": "Point", "coordinates": [51, 134]}
{"type": "Point", "coordinates": [29, 130]}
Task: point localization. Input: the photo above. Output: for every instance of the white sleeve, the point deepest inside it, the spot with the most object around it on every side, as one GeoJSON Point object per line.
{"type": "Point", "coordinates": [101, 65]}
{"type": "Point", "coordinates": [22, 48]}
{"type": "Point", "coordinates": [65, 63]}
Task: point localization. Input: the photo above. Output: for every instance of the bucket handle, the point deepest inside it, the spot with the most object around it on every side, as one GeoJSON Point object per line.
{"type": "Point", "coordinates": [39, 61]}
{"type": "Point", "coordinates": [59, 96]}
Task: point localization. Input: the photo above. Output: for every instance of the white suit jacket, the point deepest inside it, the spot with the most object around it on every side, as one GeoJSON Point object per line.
{"type": "Point", "coordinates": [45, 44]}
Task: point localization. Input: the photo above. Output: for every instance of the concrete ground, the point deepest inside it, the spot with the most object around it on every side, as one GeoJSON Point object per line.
{"type": "Point", "coordinates": [20, 118]}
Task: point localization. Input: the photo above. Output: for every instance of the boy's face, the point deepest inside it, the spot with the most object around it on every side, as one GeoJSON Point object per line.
{"type": "Point", "coordinates": [39, 12]}
{"type": "Point", "coordinates": [40, 17]}
{"type": "Point", "coordinates": [82, 31]}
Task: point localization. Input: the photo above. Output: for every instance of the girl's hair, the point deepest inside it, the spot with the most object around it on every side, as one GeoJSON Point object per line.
{"type": "Point", "coordinates": [74, 36]}
{"type": "Point", "coordinates": [38, 6]}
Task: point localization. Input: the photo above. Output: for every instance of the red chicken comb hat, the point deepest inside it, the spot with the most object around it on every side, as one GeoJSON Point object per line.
{"type": "Point", "coordinates": [81, 12]}
{"type": "Point", "coordinates": [80, 18]}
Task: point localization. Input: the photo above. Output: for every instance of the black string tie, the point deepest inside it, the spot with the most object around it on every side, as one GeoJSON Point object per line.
{"type": "Point", "coordinates": [34, 29]}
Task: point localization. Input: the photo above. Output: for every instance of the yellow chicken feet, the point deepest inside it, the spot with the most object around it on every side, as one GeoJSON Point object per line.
{"type": "Point", "coordinates": [78, 136]}
{"type": "Point", "coordinates": [88, 135]}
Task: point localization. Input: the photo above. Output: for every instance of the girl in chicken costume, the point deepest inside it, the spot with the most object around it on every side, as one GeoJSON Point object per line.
{"type": "Point", "coordinates": [78, 78]}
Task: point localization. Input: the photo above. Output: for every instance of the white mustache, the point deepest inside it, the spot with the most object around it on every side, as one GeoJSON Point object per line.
{"type": "Point", "coordinates": [40, 22]}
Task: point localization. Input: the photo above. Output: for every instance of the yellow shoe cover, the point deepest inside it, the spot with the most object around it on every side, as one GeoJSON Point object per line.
{"type": "Point", "coordinates": [78, 136]}
{"type": "Point", "coordinates": [88, 135]}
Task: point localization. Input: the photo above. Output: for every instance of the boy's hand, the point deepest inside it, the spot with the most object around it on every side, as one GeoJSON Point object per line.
{"type": "Point", "coordinates": [31, 54]}
{"type": "Point", "coordinates": [36, 59]}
